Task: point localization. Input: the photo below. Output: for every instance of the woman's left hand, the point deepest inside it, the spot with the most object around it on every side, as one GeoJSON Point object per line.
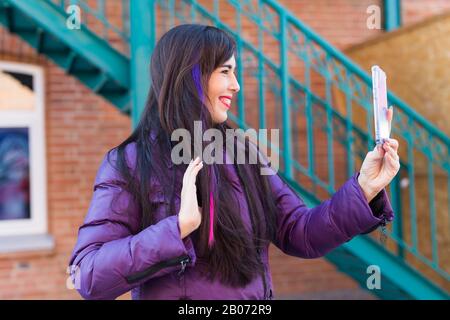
{"type": "Point", "coordinates": [380, 166]}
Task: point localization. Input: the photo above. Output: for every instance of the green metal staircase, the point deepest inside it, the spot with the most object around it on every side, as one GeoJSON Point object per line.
{"type": "Point", "coordinates": [79, 52]}
{"type": "Point", "coordinates": [307, 88]}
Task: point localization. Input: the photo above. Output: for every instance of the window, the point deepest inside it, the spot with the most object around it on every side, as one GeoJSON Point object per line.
{"type": "Point", "coordinates": [23, 197]}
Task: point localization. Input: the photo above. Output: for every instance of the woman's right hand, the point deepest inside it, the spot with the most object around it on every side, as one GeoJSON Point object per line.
{"type": "Point", "coordinates": [190, 216]}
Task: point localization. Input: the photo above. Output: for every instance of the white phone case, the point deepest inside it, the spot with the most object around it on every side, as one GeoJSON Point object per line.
{"type": "Point", "coordinates": [380, 105]}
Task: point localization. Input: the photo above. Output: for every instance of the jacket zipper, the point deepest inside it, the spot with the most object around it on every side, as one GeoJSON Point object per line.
{"type": "Point", "coordinates": [184, 263]}
{"type": "Point", "coordinates": [183, 279]}
{"type": "Point", "coordinates": [184, 260]}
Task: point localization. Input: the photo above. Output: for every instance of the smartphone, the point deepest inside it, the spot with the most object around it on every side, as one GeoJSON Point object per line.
{"type": "Point", "coordinates": [380, 105]}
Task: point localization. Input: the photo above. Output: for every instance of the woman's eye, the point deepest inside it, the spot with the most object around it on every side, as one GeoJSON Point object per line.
{"type": "Point", "coordinates": [228, 71]}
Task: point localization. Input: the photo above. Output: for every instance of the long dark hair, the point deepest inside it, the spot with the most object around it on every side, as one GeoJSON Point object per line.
{"type": "Point", "coordinates": [181, 66]}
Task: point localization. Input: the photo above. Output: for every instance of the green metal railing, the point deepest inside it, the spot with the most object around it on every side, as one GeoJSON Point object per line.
{"type": "Point", "coordinates": [322, 102]}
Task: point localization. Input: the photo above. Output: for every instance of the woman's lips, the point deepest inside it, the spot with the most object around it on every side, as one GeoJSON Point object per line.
{"type": "Point", "coordinates": [226, 101]}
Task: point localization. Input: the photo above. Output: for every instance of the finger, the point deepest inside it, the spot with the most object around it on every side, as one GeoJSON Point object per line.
{"type": "Point", "coordinates": [389, 116]}
{"type": "Point", "coordinates": [392, 163]}
{"type": "Point", "coordinates": [192, 164]}
{"type": "Point", "coordinates": [197, 169]}
{"type": "Point", "coordinates": [390, 113]}
{"type": "Point", "coordinates": [394, 156]}
{"type": "Point", "coordinates": [194, 172]}
{"type": "Point", "coordinates": [379, 151]}
{"type": "Point", "coordinates": [389, 161]}
{"type": "Point", "coordinates": [391, 149]}
{"type": "Point", "coordinates": [386, 148]}
{"type": "Point", "coordinates": [186, 172]}
{"type": "Point", "coordinates": [392, 153]}
{"type": "Point", "coordinates": [393, 144]}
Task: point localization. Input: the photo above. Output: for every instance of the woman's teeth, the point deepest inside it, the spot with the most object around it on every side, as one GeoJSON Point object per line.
{"type": "Point", "coordinates": [225, 101]}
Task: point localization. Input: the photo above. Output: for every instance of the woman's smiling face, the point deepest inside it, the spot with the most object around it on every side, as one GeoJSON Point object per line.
{"type": "Point", "coordinates": [222, 86]}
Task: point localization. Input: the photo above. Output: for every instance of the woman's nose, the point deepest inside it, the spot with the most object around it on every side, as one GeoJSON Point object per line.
{"type": "Point", "coordinates": [234, 86]}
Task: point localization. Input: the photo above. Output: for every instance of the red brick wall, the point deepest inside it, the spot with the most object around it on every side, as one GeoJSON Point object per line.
{"type": "Point", "coordinates": [414, 11]}
{"type": "Point", "coordinates": [81, 127]}
{"type": "Point", "coordinates": [340, 22]}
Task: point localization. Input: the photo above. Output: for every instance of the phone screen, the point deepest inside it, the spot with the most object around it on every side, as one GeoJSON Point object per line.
{"type": "Point", "coordinates": [380, 105]}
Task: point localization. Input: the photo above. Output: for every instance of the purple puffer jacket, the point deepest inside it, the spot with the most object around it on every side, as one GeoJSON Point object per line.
{"type": "Point", "coordinates": [112, 256]}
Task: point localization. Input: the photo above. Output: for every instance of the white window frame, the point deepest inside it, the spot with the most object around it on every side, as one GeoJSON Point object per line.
{"type": "Point", "coordinates": [35, 122]}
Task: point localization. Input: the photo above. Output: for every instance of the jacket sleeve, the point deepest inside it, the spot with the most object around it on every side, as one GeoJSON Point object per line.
{"type": "Point", "coordinates": [111, 256]}
{"type": "Point", "coordinates": [313, 232]}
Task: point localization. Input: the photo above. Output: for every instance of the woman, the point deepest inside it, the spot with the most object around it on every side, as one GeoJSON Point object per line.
{"type": "Point", "coordinates": [169, 231]}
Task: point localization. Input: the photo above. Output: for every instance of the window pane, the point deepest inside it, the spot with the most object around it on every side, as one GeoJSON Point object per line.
{"type": "Point", "coordinates": [14, 174]}
{"type": "Point", "coordinates": [16, 91]}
